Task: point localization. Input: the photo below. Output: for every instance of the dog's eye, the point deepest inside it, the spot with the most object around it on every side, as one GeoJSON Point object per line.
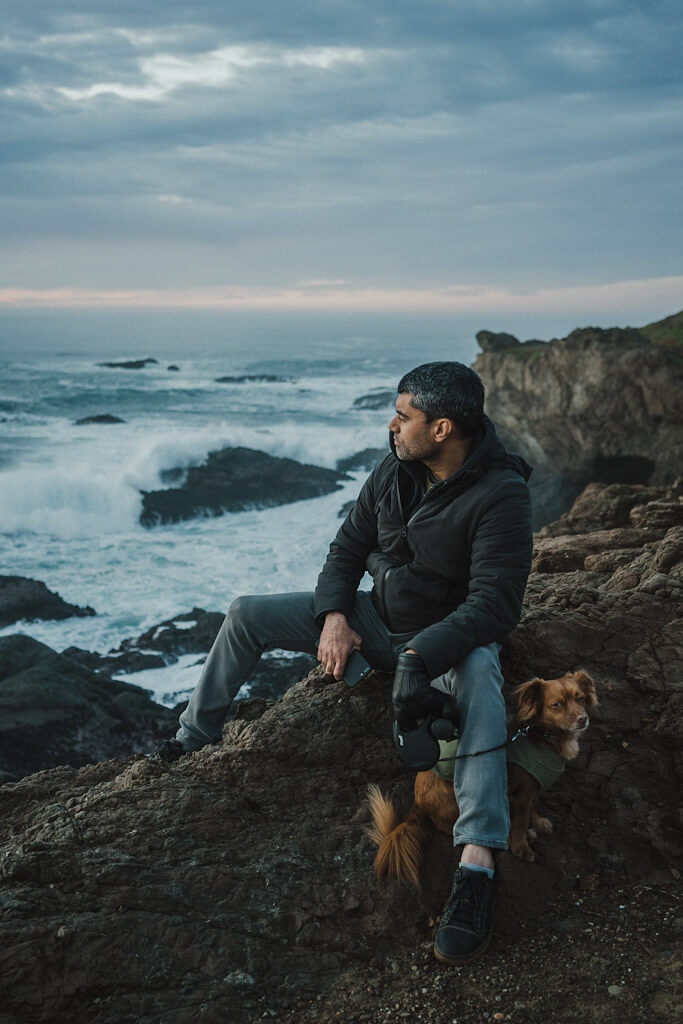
{"type": "Point", "coordinates": [557, 704]}
{"type": "Point", "coordinates": [580, 699]}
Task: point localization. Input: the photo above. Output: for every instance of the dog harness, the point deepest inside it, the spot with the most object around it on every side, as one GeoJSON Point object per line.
{"type": "Point", "coordinates": [543, 765]}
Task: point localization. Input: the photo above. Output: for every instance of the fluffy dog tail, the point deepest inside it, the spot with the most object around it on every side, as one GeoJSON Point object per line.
{"type": "Point", "coordinates": [400, 844]}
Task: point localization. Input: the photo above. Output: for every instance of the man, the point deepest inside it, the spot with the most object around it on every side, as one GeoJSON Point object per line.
{"type": "Point", "coordinates": [443, 525]}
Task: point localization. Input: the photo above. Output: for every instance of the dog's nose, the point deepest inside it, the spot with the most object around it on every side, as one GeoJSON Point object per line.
{"type": "Point", "coordinates": [581, 720]}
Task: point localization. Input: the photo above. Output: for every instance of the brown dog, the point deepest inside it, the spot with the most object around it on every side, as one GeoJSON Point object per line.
{"type": "Point", "coordinates": [555, 713]}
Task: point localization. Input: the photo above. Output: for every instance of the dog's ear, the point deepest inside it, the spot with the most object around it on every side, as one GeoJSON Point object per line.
{"type": "Point", "coordinates": [528, 700]}
{"type": "Point", "coordinates": [583, 680]}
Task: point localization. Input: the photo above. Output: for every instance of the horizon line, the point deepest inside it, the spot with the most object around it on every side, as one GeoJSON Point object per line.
{"type": "Point", "coordinates": [628, 294]}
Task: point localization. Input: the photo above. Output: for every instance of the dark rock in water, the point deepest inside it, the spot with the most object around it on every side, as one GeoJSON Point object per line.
{"type": "Point", "coordinates": [254, 378]}
{"type": "Point", "coordinates": [55, 712]}
{"type": "Point", "coordinates": [193, 633]}
{"type": "Point", "coordinates": [131, 364]}
{"type": "Point", "coordinates": [103, 418]}
{"type": "Point", "coordinates": [152, 875]}
{"type": "Point", "coordinates": [23, 598]}
{"type": "Point", "coordinates": [235, 479]}
{"type": "Point", "coordinates": [597, 406]}
{"type": "Point", "coordinates": [173, 367]}
{"type": "Point", "coordinates": [113, 664]}
{"type": "Point", "coordinates": [375, 400]}
{"type": "Point", "coordinates": [367, 459]}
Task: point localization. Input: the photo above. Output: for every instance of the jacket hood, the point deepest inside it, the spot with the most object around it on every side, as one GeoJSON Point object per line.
{"type": "Point", "coordinates": [488, 450]}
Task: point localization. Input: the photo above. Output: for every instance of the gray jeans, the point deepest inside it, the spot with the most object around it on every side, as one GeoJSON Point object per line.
{"type": "Point", "coordinates": [257, 624]}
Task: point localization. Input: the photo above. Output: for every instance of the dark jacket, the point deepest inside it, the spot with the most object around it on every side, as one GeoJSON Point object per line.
{"type": "Point", "coordinates": [449, 565]}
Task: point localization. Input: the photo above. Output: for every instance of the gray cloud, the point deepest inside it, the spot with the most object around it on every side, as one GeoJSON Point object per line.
{"type": "Point", "coordinates": [405, 145]}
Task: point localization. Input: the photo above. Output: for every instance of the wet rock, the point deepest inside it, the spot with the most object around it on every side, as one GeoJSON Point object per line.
{"type": "Point", "coordinates": [54, 711]}
{"type": "Point", "coordinates": [378, 399]}
{"type": "Point", "coordinates": [367, 460]}
{"type": "Point", "coordinates": [131, 364]}
{"type": "Point", "coordinates": [253, 378]}
{"type": "Point", "coordinates": [100, 418]}
{"type": "Point", "coordinates": [235, 479]}
{"type": "Point", "coordinates": [24, 598]}
{"type": "Point", "coordinates": [173, 368]}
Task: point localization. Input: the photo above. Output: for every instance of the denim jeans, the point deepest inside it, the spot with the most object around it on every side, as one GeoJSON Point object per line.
{"type": "Point", "coordinates": [260, 623]}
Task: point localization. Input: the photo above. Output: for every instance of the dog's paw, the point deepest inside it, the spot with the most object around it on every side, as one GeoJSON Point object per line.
{"type": "Point", "coordinates": [523, 851]}
{"type": "Point", "coordinates": [543, 825]}
{"type": "Point", "coordinates": [531, 833]}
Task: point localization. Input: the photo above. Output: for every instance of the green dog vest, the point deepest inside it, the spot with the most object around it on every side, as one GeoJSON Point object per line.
{"type": "Point", "coordinates": [543, 765]}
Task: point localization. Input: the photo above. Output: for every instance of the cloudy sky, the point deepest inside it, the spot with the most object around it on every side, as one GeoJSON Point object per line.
{"type": "Point", "coordinates": [343, 155]}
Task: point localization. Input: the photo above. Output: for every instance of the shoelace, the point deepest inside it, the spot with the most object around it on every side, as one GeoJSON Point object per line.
{"type": "Point", "coordinates": [464, 901]}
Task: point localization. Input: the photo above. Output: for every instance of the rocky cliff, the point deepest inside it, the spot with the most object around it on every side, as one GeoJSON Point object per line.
{"type": "Point", "coordinates": [237, 884]}
{"type": "Point", "coordinates": [598, 405]}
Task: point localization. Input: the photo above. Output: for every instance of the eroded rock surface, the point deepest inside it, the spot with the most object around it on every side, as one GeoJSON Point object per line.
{"type": "Point", "coordinates": [239, 881]}
{"type": "Point", "coordinates": [598, 405]}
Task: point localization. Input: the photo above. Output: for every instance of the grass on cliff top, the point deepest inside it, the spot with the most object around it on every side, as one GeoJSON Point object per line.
{"type": "Point", "coordinates": [667, 333]}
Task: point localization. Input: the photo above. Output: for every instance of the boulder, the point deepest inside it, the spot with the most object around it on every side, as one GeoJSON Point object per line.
{"type": "Point", "coordinates": [54, 711]}
{"type": "Point", "coordinates": [235, 479]}
{"type": "Point", "coordinates": [24, 598]}
{"type": "Point", "coordinates": [597, 406]}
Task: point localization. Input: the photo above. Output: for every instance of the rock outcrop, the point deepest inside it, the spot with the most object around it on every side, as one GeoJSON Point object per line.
{"type": "Point", "coordinates": [191, 633]}
{"type": "Point", "coordinates": [238, 882]}
{"type": "Point", "coordinates": [599, 405]}
{"type": "Point", "coordinates": [235, 479]}
{"type": "Point", "coordinates": [54, 711]}
{"type": "Point", "coordinates": [24, 598]}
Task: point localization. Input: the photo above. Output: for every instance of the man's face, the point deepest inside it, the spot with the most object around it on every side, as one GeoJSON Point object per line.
{"type": "Point", "coordinates": [412, 433]}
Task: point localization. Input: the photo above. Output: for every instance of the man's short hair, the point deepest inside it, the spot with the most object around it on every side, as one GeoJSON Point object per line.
{"type": "Point", "coordinates": [452, 390]}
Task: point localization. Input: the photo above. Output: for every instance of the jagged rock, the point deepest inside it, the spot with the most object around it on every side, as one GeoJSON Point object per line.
{"type": "Point", "coordinates": [599, 405]}
{"type": "Point", "coordinates": [102, 418]}
{"type": "Point", "coordinates": [191, 633]}
{"type": "Point", "coordinates": [24, 598]}
{"type": "Point", "coordinates": [54, 711]}
{"type": "Point", "coordinates": [173, 368]}
{"type": "Point", "coordinates": [239, 880]}
{"type": "Point", "coordinates": [234, 479]}
{"type": "Point", "coordinates": [374, 400]}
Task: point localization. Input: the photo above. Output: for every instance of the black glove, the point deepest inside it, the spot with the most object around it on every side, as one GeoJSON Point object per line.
{"type": "Point", "coordinates": [412, 696]}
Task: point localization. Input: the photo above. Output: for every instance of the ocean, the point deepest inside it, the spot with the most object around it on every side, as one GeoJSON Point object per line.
{"type": "Point", "coordinates": [70, 495]}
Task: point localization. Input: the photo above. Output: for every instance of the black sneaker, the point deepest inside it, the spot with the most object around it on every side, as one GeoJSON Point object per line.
{"type": "Point", "coordinates": [464, 930]}
{"type": "Point", "coordinates": [169, 751]}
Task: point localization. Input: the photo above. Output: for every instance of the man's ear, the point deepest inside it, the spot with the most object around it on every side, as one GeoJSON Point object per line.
{"type": "Point", "coordinates": [443, 428]}
{"type": "Point", "coordinates": [528, 700]}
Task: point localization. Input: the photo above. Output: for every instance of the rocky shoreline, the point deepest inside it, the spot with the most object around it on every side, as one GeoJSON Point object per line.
{"type": "Point", "coordinates": [135, 891]}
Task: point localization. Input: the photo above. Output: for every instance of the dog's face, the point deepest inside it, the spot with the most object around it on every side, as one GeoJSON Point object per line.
{"type": "Point", "coordinates": [558, 705]}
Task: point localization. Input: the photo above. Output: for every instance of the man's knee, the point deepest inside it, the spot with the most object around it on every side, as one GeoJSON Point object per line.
{"type": "Point", "coordinates": [242, 613]}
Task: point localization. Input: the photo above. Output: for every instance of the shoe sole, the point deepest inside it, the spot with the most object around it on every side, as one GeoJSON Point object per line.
{"type": "Point", "coordinates": [457, 961]}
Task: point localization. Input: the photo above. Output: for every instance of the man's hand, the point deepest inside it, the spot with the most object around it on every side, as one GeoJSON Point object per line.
{"type": "Point", "coordinates": [337, 640]}
{"type": "Point", "coordinates": [412, 696]}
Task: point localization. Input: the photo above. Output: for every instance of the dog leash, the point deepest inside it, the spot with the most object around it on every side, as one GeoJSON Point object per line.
{"type": "Point", "coordinates": [522, 731]}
